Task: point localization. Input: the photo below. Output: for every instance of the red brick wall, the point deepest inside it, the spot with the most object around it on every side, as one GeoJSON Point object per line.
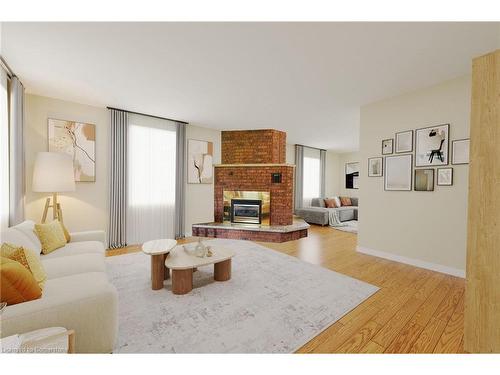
{"type": "Point", "coordinates": [257, 179]}
{"type": "Point", "coordinates": [249, 235]}
{"type": "Point", "coordinates": [266, 146]}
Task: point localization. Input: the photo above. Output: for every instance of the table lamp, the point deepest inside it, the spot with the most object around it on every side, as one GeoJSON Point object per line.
{"type": "Point", "coordinates": [53, 173]}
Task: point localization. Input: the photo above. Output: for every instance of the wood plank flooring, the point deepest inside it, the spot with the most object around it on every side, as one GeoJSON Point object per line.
{"type": "Point", "coordinates": [415, 310]}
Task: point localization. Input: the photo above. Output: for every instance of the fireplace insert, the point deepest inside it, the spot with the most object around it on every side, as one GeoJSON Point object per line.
{"type": "Point", "coordinates": [246, 211]}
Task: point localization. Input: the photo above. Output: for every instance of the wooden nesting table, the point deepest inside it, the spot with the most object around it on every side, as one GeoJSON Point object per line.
{"type": "Point", "coordinates": [182, 265]}
{"type": "Point", "coordinates": [158, 249]}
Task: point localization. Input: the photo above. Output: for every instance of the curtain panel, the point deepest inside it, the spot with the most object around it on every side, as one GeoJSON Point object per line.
{"type": "Point", "coordinates": [4, 151]}
{"type": "Point", "coordinates": [118, 179]}
{"type": "Point", "coordinates": [322, 165]}
{"type": "Point", "coordinates": [16, 153]}
{"type": "Point", "coordinates": [299, 175]}
{"type": "Point", "coordinates": [180, 179]}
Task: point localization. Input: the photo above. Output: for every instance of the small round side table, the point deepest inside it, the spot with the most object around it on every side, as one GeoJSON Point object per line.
{"type": "Point", "coordinates": [158, 250]}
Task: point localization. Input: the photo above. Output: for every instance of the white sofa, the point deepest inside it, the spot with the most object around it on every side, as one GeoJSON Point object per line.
{"type": "Point", "coordinates": [77, 294]}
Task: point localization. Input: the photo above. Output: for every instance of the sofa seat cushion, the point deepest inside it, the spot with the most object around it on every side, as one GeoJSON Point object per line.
{"type": "Point", "coordinates": [57, 267]}
{"type": "Point", "coordinates": [347, 213]}
{"type": "Point", "coordinates": [77, 248]}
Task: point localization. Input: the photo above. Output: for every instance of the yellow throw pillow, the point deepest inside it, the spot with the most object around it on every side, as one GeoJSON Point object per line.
{"type": "Point", "coordinates": [51, 236]}
{"type": "Point", "coordinates": [27, 258]}
{"type": "Point", "coordinates": [17, 284]}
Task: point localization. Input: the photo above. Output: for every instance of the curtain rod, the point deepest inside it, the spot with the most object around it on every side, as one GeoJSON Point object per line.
{"type": "Point", "coordinates": [145, 114]}
{"type": "Point", "coordinates": [6, 66]}
{"type": "Point", "coordinates": [321, 149]}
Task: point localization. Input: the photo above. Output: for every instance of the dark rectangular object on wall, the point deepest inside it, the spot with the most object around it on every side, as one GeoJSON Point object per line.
{"type": "Point", "coordinates": [276, 178]}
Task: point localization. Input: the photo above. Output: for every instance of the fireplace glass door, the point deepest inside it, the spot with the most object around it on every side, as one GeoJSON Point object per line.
{"type": "Point", "coordinates": [246, 211]}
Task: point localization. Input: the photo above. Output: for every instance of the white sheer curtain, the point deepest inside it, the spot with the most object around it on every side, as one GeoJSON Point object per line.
{"type": "Point", "coordinates": [4, 151]}
{"type": "Point", "coordinates": [151, 179]}
{"type": "Point", "coordinates": [311, 175]}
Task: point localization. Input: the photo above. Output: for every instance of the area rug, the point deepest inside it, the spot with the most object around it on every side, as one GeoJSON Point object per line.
{"type": "Point", "coordinates": [350, 226]}
{"type": "Point", "coordinates": [274, 303]}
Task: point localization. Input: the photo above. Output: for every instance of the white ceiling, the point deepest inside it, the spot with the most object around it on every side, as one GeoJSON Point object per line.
{"type": "Point", "coordinates": [308, 79]}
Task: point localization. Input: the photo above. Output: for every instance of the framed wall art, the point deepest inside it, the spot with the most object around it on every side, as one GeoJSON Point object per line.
{"type": "Point", "coordinates": [387, 146]}
{"type": "Point", "coordinates": [404, 142]}
{"type": "Point", "coordinates": [375, 167]}
{"type": "Point", "coordinates": [78, 140]}
{"type": "Point", "coordinates": [398, 172]}
{"type": "Point", "coordinates": [352, 175]}
{"type": "Point", "coordinates": [200, 162]}
{"type": "Point", "coordinates": [424, 179]}
{"type": "Point", "coordinates": [431, 145]}
{"type": "Point", "coordinates": [445, 176]}
{"type": "Point", "coordinates": [460, 151]}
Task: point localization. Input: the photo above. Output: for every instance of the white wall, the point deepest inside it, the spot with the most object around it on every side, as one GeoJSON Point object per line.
{"type": "Point", "coordinates": [347, 157]}
{"type": "Point", "coordinates": [200, 197]}
{"type": "Point", "coordinates": [426, 228]}
{"type": "Point", "coordinates": [87, 207]}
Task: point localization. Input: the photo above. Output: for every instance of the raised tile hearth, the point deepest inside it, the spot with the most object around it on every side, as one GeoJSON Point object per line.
{"type": "Point", "coordinates": [276, 233]}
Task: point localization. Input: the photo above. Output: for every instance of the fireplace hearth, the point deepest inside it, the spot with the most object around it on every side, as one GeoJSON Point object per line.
{"type": "Point", "coordinates": [246, 211]}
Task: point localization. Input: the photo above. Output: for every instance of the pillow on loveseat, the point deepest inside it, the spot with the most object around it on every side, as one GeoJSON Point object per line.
{"type": "Point", "coordinates": [346, 201]}
{"type": "Point", "coordinates": [51, 236]}
{"type": "Point", "coordinates": [17, 284]}
{"type": "Point", "coordinates": [331, 203]}
{"type": "Point", "coordinates": [27, 258]}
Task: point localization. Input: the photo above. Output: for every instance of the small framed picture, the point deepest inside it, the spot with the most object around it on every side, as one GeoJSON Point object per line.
{"type": "Point", "coordinates": [431, 146]}
{"type": "Point", "coordinates": [460, 151]}
{"type": "Point", "coordinates": [398, 172]}
{"type": "Point", "coordinates": [445, 176]}
{"type": "Point", "coordinates": [375, 167]}
{"type": "Point", "coordinates": [424, 179]}
{"type": "Point", "coordinates": [387, 146]}
{"type": "Point", "coordinates": [404, 142]}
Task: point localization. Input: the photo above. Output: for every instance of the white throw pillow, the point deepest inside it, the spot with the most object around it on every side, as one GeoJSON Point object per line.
{"type": "Point", "coordinates": [337, 201]}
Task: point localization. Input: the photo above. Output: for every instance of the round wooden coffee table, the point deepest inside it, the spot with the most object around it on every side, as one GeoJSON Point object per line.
{"type": "Point", "coordinates": [182, 265]}
{"type": "Point", "coordinates": [158, 249]}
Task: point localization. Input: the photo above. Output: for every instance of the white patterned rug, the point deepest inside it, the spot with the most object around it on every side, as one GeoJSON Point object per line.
{"type": "Point", "coordinates": [274, 303]}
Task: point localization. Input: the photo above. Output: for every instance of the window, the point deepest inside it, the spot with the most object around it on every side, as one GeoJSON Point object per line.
{"type": "Point", "coordinates": [311, 175]}
{"type": "Point", "coordinates": [151, 179]}
{"type": "Point", "coordinates": [4, 151]}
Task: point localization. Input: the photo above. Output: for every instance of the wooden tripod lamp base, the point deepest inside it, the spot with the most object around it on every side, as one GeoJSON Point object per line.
{"type": "Point", "coordinates": [56, 209]}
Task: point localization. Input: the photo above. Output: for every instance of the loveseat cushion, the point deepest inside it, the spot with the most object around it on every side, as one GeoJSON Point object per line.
{"type": "Point", "coordinates": [27, 228]}
{"type": "Point", "coordinates": [57, 267]}
{"type": "Point", "coordinates": [18, 238]}
{"type": "Point", "coordinates": [76, 248]}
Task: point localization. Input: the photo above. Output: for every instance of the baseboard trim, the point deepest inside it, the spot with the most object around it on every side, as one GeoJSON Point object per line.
{"type": "Point", "coordinates": [413, 262]}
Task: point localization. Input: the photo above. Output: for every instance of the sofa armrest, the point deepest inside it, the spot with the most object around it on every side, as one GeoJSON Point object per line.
{"type": "Point", "coordinates": [91, 235]}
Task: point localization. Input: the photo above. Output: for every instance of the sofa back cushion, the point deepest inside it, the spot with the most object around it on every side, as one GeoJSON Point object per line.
{"type": "Point", "coordinates": [318, 202]}
{"type": "Point", "coordinates": [354, 201]}
{"type": "Point", "coordinates": [27, 228]}
{"type": "Point", "coordinates": [17, 284]}
{"type": "Point", "coordinates": [18, 238]}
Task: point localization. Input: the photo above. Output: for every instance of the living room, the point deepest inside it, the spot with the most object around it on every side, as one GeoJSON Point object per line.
{"type": "Point", "coordinates": [163, 190]}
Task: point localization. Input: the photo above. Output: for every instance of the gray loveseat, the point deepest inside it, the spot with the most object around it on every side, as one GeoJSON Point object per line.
{"type": "Point", "coordinates": [319, 214]}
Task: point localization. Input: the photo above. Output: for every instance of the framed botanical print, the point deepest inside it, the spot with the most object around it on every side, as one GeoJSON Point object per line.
{"type": "Point", "coordinates": [460, 151]}
{"type": "Point", "coordinates": [445, 176]}
{"type": "Point", "coordinates": [431, 146]}
{"type": "Point", "coordinates": [78, 140]}
{"type": "Point", "coordinates": [375, 167]}
{"type": "Point", "coordinates": [200, 162]}
{"type": "Point", "coordinates": [424, 179]}
{"type": "Point", "coordinates": [387, 146]}
{"type": "Point", "coordinates": [398, 172]}
{"type": "Point", "coordinates": [404, 142]}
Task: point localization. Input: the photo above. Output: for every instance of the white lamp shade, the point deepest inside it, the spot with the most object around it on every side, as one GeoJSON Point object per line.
{"type": "Point", "coordinates": [53, 173]}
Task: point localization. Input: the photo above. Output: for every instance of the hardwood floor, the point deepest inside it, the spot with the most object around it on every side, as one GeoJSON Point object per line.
{"type": "Point", "coordinates": [415, 310]}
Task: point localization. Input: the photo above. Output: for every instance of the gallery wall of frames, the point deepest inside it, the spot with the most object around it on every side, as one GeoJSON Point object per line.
{"type": "Point", "coordinates": [419, 160]}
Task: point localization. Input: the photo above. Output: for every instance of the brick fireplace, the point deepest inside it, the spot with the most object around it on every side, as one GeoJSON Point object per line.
{"type": "Point", "coordinates": [254, 166]}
